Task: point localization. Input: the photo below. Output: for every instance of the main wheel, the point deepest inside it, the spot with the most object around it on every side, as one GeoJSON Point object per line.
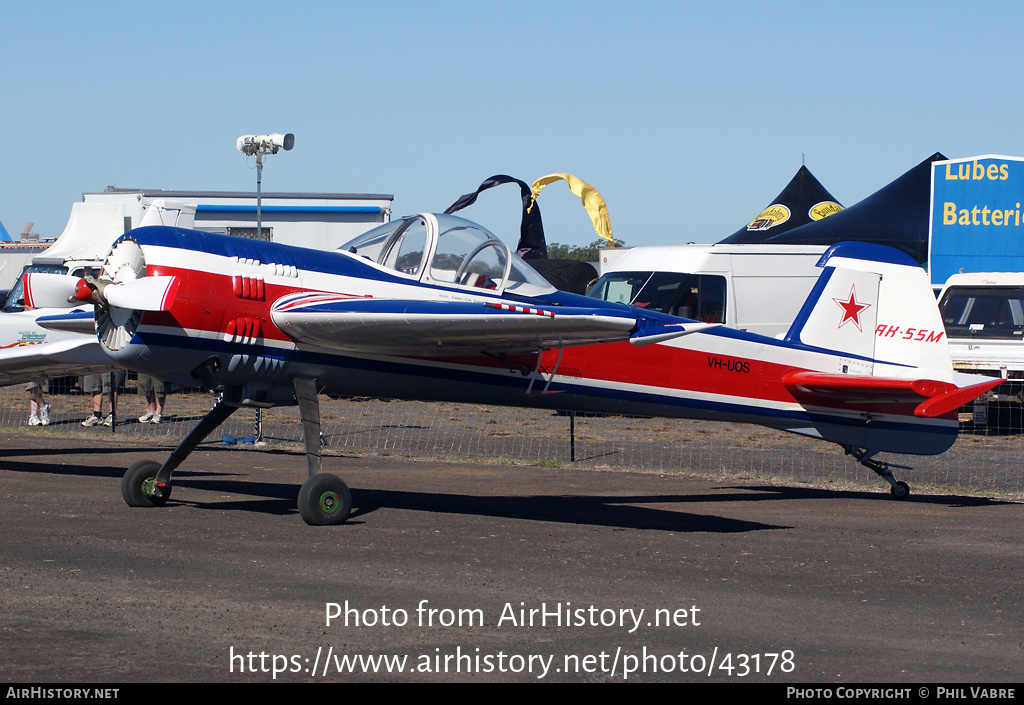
{"type": "Point", "coordinates": [137, 485]}
{"type": "Point", "coordinates": [324, 500]}
{"type": "Point", "coordinates": [901, 490]}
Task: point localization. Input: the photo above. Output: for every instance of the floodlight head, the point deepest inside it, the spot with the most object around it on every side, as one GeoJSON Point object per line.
{"type": "Point", "coordinates": [285, 142]}
{"type": "Point", "coordinates": [264, 144]}
{"type": "Point", "coordinates": [246, 144]}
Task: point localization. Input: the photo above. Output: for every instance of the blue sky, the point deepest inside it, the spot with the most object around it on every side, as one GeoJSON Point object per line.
{"type": "Point", "coordinates": [688, 117]}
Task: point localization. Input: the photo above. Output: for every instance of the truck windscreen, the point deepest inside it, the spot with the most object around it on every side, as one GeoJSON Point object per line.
{"type": "Point", "coordinates": [983, 312]}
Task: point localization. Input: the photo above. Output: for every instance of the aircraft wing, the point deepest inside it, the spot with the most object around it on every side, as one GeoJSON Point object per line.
{"type": "Point", "coordinates": [930, 397]}
{"type": "Point", "coordinates": [79, 356]}
{"type": "Point", "coordinates": [442, 328]}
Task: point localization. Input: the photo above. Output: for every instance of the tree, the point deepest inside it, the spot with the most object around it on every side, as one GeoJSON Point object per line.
{"type": "Point", "coordinates": [587, 253]}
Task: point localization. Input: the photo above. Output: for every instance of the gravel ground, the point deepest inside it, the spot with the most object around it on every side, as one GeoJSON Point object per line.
{"type": "Point", "coordinates": [772, 583]}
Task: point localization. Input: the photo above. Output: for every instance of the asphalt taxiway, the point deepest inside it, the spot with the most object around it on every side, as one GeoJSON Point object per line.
{"type": "Point", "coordinates": [489, 572]}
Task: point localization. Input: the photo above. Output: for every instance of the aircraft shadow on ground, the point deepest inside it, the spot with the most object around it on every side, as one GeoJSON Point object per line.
{"type": "Point", "coordinates": [596, 510]}
{"type": "Point", "coordinates": [280, 499]}
{"type": "Point", "coordinates": [611, 511]}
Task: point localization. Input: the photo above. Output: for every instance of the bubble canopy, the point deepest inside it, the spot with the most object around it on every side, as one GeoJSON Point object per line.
{"type": "Point", "coordinates": [449, 251]}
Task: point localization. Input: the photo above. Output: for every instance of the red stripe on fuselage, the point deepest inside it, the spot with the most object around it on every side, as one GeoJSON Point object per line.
{"type": "Point", "coordinates": [693, 371]}
{"type": "Point", "coordinates": [673, 368]}
{"type": "Point", "coordinates": [207, 302]}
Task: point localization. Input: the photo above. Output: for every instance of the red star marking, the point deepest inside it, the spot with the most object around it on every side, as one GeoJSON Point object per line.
{"type": "Point", "coordinates": [851, 309]}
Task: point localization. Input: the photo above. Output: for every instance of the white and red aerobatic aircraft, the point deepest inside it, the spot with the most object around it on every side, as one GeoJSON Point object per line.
{"type": "Point", "coordinates": [435, 307]}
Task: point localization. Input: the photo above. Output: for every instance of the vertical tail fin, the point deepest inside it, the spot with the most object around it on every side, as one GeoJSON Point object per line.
{"type": "Point", "coordinates": [874, 307]}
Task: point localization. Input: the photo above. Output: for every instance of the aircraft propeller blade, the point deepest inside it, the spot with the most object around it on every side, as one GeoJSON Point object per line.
{"type": "Point", "coordinates": [145, 294]}
{"type": "Point", "coordinates": [47, 290]}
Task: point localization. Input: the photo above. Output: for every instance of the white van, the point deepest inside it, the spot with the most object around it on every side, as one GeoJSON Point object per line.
{"type": "Point", "coordinates": [756, 288]}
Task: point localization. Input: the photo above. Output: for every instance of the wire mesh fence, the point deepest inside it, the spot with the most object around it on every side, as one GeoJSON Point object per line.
{"type": "Point", "coordinates": [998, 413]}
{"type": "Point", "coordinates": [982, 462]}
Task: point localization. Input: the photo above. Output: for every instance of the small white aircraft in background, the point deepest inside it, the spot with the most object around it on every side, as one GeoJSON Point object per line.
{"type": "Point", "coordinates": [29, 352]}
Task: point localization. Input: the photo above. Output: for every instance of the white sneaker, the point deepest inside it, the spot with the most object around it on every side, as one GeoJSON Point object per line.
{"type": "Point", "coordinates": [33, 420]}
{"type": "Point", "coordinates": [146, 416]}
{"type": "Point", "coordinates": [157, 418]}
{"type": "Point", "coordinates": [44, 418]}
{"type": "Point", "coordinates": [93, 420]}
{"type": "Point", "coordinates": [109, 421]}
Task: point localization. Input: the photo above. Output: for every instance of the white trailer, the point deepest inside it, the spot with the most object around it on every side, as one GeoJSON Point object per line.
{"type": "Point", "coordinates": [317, 220]}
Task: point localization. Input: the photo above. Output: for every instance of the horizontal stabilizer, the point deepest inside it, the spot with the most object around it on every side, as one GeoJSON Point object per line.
{"type": "Point", "coordinates": [932, 398]}
{"type": "Point", "coordinates": [950, 401]}
{"type": "Point", "coordinates": [407, 327]}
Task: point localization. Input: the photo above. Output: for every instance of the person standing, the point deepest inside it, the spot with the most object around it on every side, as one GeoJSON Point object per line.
{"type": "Point", "coordinates": [155, 391]}
{"type": "Point", "coordinates": [39, 410]}
{"type": "Point", "coordinates": [98, 385]}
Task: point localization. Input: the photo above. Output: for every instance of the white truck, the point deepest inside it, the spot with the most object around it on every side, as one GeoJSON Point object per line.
{"type": "Point", "coordinates": [983, 315]}
{"type": "Point", "coordinates": [756, 288]}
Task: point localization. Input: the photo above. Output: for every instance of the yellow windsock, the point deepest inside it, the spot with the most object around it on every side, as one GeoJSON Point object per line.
{"type": "Point", "coordinates": [592, 201]}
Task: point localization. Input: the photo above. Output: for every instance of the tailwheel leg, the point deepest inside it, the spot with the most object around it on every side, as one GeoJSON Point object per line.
{"type": "Point", "coordinates": [898, 489]}
{"type": "Point", "coordinates": [324, 499]}
{"type": "Point", "coordinates": [148, 483]}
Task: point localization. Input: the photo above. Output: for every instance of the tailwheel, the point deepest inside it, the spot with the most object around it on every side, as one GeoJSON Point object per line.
{"type": "Point", "coordinates": [897, 488]}
{"type": "Point", "coordinates": [901, 490]}
{"type": "Point", "coordinates": [324, 500]}
{"type": "Point", "coordinates": [139, 488]}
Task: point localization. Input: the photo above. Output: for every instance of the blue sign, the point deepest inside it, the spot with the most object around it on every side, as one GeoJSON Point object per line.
{"type": "Point", "coordinates": [977, 216]}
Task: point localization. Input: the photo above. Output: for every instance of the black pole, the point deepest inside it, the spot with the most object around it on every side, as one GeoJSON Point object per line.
{"type": "Point", "coordinates": [572, 436]}
{"type": "Point", "coordinates": [113, 396]}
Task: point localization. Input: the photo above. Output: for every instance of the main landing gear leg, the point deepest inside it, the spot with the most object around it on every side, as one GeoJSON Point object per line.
{"type": "Point", "coordinates": [147, 483]}
{"type": "Point", "coordinates": [898, 489]}
{"type": "Point", "coordinates": [324, 499]}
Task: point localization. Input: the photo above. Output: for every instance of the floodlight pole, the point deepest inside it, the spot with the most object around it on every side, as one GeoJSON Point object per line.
{"type": "Point", "coordinates": [258, 146]}
{"type": "Point", "coordinates": [259, 196]}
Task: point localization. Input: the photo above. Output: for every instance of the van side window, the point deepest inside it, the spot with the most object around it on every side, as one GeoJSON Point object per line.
{"type": "Point", "coordinates": [712, 299]}
{"type": "Point", "coordinates": [695, 296]}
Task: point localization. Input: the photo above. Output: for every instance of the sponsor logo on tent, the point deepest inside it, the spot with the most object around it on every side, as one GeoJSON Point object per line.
{"type": "Point", "coordinates": [773, 215]}
{"type": "Point", "coordinates": [823, 210]}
